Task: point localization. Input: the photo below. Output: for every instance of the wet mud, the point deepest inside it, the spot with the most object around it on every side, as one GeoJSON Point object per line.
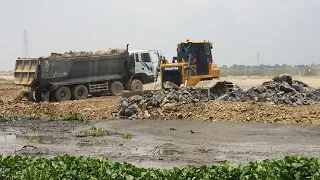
{"type": "Point", "coordinates": [158, 143]}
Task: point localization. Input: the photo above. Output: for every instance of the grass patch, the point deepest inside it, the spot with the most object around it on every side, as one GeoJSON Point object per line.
{"type": "Point", "coordinates": [93, 131]}
{"type": "Point", "coordinates": [7, 117]}
{"type": "Point", "coordinates": [75, 116]}
{"type": "Point", "coordinates": [34, 115]}
{"type": "Point", "coordinates": [127, 136]}
{"type": "Point", "coordinates": [35, 128]}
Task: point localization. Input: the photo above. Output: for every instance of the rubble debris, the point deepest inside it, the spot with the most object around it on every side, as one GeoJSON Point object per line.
{"type": "Point", "coordinates": [29, 150]}
{"type": "Point", "coordinates": [83, 53]}
{"type": "Point", "coordinates": [280, 90]}
{"type": "Point", "coordinates": [168, 98]}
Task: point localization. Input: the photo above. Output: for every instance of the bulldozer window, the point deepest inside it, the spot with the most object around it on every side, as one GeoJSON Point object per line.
{"type": "Point", "coordinates": [200, 53]}
{"type": "Point", "coordinates": [208, 49]}
{"type": "Point", "coordinates": [181, 53]}
{"type": "Point", "coordinates": [145, 57]}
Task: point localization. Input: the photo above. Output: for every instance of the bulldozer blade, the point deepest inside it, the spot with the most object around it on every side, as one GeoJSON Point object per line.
{"type": "Point", "coordinates": [215, 87]}
{"type": "Point", "coordinates": [133, 93]}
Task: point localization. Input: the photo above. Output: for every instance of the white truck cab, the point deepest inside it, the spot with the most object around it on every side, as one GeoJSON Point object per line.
{"type": "Point", "coordinates": [146, 64]}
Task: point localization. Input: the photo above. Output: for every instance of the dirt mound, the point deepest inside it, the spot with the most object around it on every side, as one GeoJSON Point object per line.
{"type": "Point", "coordinates": [241, 112]}
{"type": "Point", "coordinates": [10, 93]}
{"type": "Point", "coordinates": [235, 112]}
{"type": "Point", "coordinates": [83, 53]}
{"type": "Point", "coordinates": [92, 108]}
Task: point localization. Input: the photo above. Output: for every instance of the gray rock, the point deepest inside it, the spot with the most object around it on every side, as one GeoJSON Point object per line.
{"type": "Point", "coordinates": [280, 90]}
{"type": "Point", "coordinates": [284, 86]}
{"type": "Point", "coordinates": [135, 98]}
{"type": "Point", "coordinates": [170, 85]}
{"type": "Point", "coordinates": [131, 110]}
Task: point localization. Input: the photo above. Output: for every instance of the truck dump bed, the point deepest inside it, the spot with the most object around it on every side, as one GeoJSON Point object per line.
{"type": "Point", "coordinates": [25, 71]}
{"type": "Point", "coordinates": [67, 70]}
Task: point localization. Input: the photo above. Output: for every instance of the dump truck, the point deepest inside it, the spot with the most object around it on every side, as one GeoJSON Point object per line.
{"type": "Point", "coordinates": [72, 78]}
{"type": "Point", "coordinates": [146, 64]}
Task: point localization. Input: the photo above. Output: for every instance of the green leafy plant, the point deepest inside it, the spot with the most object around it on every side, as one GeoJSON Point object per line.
{"type": "Point", "coordinates": [35, 128]}
{"type": "Point", "coordinates": [75, 116]}
{"type": "Point", "coordinates": [68, 167]}
{"type": "Point", "coordinates": [93, 131]}
{"type": "Point", "coordinates": [34, 115]}
{"type": "Point", "coordinates": [127, 136]}
{"type": "Point", "coordinates": [8, 117]}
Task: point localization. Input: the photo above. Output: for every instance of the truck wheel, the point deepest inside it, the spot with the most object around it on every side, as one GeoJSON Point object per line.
{"type": "Point", "coordinates": [116, 88]}
{"type": "Point", "coordinates": [63, 93]}
{"type": "Point", "coordinates": [80, 92]}
{"type": "Point", "coordinates": [136, 85]}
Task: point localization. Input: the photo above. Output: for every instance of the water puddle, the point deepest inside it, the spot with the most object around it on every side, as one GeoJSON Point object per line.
{"type": "Point", "coordinates": [31, 139]}
{"type": "Point", "coordinates": [7, 138]}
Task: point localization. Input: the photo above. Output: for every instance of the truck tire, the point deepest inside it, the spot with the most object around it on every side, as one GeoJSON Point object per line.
{"type": "Point", "coordinates": [116, 88]}
{"type": "Point", "coordinates": [63, 93]}
{"type": "Point", "coordinates": [80, 92]}
{"type": "Point", "coordinates": [136, 85]}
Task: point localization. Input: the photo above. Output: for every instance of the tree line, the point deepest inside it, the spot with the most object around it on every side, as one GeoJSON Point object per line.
{"type": "Point", "coordinates": [270, 70]}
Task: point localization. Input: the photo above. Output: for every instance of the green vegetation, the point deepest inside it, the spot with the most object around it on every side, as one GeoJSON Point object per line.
{"type": "Point", "coordinates": [67, 167]}
{"type": "Point", "coordinates": [34, 115]}
{"type": "Point", "coordinates": [7, 117]}
{"type": "Point", "coordinates": [267, 70]}
{"type": "Point", "coordinates": [35, 128]}
{"type": "Point", "coordinates": [127, 136]}
{"type": "Point", "coordinates": [74, 116]}
{"type": "Point", "coordinates": [93, 131]}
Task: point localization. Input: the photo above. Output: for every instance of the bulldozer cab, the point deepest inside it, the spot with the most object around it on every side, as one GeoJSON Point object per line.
{"type": "Point", "coordinates": [200, 52]}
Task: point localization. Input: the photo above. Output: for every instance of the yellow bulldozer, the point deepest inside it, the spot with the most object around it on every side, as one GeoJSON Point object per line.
{"type": "Point", "coordinates": [194, 67]}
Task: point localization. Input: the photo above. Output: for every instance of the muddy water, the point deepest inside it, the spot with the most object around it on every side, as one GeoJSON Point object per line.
{"type": "Point", "coordinates": [162, 144]}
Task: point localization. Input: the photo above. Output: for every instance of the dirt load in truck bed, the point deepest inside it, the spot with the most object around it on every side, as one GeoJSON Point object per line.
{"type": "Point", "coordinates": [109, 51]}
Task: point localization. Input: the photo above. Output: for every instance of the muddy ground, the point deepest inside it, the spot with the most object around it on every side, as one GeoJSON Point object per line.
{"type": "Point", "coordinates": [161, 144]}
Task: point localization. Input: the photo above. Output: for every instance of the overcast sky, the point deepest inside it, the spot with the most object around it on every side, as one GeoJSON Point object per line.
{"type": "Point", "coordinates": [283, 31]}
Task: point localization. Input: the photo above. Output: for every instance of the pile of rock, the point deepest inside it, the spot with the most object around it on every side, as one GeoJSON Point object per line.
{"type": "Point", "coordinates": [280, 90]}
{"type": "Point", "coordinates": [168, 98]}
